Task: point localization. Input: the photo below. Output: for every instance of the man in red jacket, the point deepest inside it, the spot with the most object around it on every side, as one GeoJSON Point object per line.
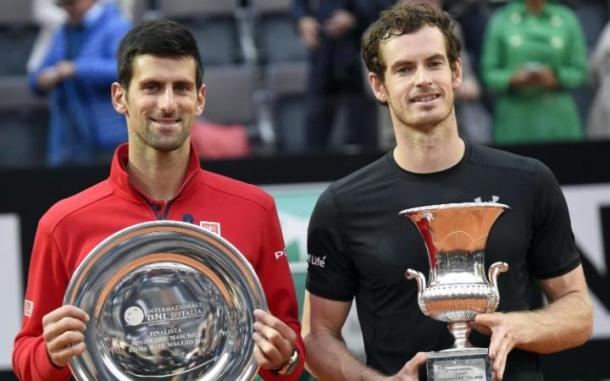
{"type": "Point", "coordinates": [156, 176]}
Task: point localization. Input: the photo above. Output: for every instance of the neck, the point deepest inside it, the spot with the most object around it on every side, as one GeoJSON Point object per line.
{"type": "Point", "coordinates": [429, 150]}
{"type": "Point", "coordinates": [159, 174]}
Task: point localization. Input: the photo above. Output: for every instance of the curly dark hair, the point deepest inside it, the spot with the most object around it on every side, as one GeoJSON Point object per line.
{"type": "Point", "coordinates": [405, 19]}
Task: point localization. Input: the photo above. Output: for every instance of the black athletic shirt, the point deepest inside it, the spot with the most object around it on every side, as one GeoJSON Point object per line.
{"type": "Point", "coordinates": [359, 247]}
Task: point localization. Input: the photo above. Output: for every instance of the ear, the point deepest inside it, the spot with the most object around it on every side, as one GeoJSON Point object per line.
{"type": "Point", "coordinates": [378, 88]}
{"type": "Point", "coordinates": [119, 98]}
{"type": "Point", "coordinates": [456, 73]}
{"type": "Point", "coordinates": [201, 93]}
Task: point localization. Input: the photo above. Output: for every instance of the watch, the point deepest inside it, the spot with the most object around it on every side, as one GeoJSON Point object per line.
{"type": "Point", "coordinates": [290, 365]}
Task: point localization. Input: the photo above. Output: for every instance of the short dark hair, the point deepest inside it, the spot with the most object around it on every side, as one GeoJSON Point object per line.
{"type": "Point", "coordinates": [403, 19]}
{"type": "Point", "coordinates": [162, 38]}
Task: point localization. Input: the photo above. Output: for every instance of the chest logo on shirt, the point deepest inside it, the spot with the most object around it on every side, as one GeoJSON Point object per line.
{"type": "Point", "coordinates": [211, 226]}
{"type": "Point", "coordinates": [494, 198]}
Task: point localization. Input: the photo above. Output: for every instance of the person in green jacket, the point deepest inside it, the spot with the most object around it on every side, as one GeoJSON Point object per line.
{"type": "Point", "coordinates": [534, 53]}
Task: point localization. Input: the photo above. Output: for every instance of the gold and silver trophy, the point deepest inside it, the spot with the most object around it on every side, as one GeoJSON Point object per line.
{"type": "Point", "coordinates": [455, 236]}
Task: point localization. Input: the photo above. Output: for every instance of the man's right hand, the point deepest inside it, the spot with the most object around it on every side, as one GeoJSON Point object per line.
{"type": "Point", "coordinates": [410, 371]}
{"type": "Point", "coordinates": [309, 28]}
{"type": "Point", "coordinates": [63, 334]}
{"type": "Point", "coordinates": [48, 78]}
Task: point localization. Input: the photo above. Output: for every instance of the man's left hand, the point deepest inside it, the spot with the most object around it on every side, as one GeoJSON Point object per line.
{"type": "Point", "coordinates": [339, 24]}
{"type": "Point", "coordinates": [506, 332]}
{"type": "Point", "coordinates": [275, 341]}
{"type": "Point", "coordinates": [65, 69]}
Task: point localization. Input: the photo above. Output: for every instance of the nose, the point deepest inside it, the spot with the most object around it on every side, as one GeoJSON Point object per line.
{"type": "Point", "coordinates": [422, 77]}
{"type": "Point", "coordinates": [167, 103]}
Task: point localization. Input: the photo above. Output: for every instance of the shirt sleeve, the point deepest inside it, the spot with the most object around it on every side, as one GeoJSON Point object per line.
{"type": "Point", "coordinates": [274, 273]}
{"type": "Point", "coordinates": [331, 273]}
{"type": "Point", "coordinates": [47, 281]}
{"type": "Point", "coordinates": [553, 249]}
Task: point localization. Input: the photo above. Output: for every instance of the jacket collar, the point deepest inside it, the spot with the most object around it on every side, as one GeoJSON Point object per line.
{"type": "Point", "coordinates": [119, 177]}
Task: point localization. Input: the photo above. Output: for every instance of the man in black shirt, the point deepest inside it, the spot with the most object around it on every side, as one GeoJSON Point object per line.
{"type": "Point", "coordinates": [359, 248]}
{"type": "Point", "coordinates": [331, 30]}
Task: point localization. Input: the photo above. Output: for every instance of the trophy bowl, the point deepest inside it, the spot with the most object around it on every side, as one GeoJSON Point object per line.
{"type": "Point", "coordinates": [167, 300]}
{"type": "Point", "coordinates": [455, 236]}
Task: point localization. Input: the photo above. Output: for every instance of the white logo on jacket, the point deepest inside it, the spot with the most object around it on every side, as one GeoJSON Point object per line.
{"type": "Point", "coordinates": [28, 308]}
{"type": "Point", "coordinates": [211, 226]}
{"type": "Point", "coordinates": [280, 254]}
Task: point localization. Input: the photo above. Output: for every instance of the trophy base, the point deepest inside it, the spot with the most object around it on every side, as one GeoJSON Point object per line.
{"type": "Point", "coordinates": [468, 364]}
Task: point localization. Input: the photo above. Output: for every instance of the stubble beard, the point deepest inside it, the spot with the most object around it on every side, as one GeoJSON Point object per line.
{"type": "Point", "coordinates": [427, 123]}
{"type": "Point", "coordinates": [162, 143]}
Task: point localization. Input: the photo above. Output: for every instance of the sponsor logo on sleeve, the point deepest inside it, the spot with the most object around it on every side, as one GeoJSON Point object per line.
{"type": "Point", "coordinates": [280, 254]}
{"type": "Point", "coordinates": [28, 308]}
{"type": "Point", "coordinates": [316, 261]}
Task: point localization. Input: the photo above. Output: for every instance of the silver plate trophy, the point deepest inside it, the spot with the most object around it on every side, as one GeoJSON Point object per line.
{"type": "Point", "coordinates": [455, 236]}
{"type": "Point", "coordinates": [167, 301]}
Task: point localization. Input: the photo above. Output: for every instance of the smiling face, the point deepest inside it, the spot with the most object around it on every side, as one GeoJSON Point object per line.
{"type": "Point", "coordinates": [161, 102]}
{"type": "Point", "coordinates": [418, 81]}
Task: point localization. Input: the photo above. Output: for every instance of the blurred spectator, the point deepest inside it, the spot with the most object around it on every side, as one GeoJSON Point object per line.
{"type": "Point", "coordinates": [331, 31]}
{"type": "Point", "coordinates": [76, 74]}
{"type": "Point", "coordinates": [48, 16]}
{"type": "Point", "coordinates": [598, 124]}
{"type": "Point", "coordinates": [473, 16]}
{"type": "Point", "coordinates": [534, 53]}
{"type": "Point", "coordinates": [475, 121]}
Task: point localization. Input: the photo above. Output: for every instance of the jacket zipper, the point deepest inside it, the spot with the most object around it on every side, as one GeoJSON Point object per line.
{"type": "Point", "coordinates": [160, 214]}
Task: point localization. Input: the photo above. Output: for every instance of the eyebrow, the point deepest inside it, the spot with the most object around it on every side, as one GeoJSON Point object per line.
{"type": "Point", "coordinates": [407, 62]}
{"type": "Point", "coordinates": [184, 81]}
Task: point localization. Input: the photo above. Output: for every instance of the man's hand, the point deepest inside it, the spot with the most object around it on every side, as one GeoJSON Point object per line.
{"type": "Point", "coordinates": [506, 330]}
{"type": "Point", "coordinates": [275, 341]}
{"type": "Point", "coordinates": [339, 23]}
{"type": "Point", "coordinates": [410, 371]}
{"type": "Point", "coordinates": [309, 28]}
{"type": "Point", "coordinates": [66, 69]}
{"type": "Point", "coordinates": [469, 90]}
{"type": "Point", "coordinates": [53, 75]}
{"type": "Point", "coordinates": [546, 78]}
{"type": "Point", "coordinates": [542, 76]}
{"type": "Point", "coordinates": [48, 79]}
{"type": "Point", "coordinates": [63, 334]}
{"type": "Point", "coordinates": [522, 78]}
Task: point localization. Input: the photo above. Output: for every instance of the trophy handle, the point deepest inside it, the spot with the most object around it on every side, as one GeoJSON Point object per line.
{"type": "Point", "coordinates": [419, 277]}
{"type": "Point", "coordinates": [421, 287]}
{"type": "Point", "coordinates": [494, 271]}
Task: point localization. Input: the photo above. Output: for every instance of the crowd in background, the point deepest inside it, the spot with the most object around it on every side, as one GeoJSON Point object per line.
{"type": "Point", "coordinates": [534, 71]}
